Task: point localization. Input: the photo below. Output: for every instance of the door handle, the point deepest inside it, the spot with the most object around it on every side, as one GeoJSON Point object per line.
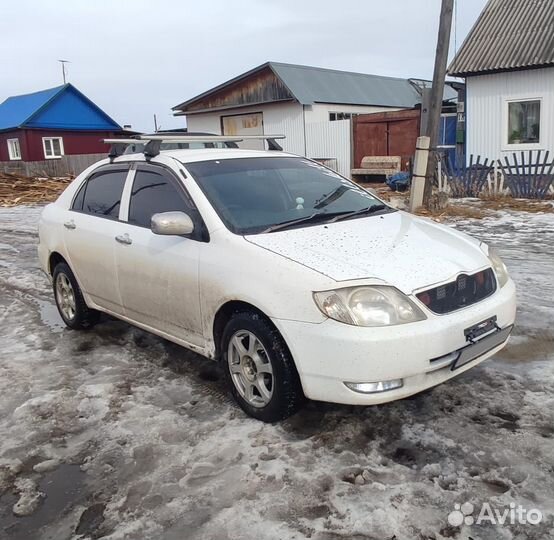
{"type": "Point", "coordinates": [124, 239]}
{"type": "Point", "coordinates": [70, 225]}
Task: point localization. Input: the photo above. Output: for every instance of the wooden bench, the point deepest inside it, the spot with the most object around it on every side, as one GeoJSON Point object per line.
{"type": "Point", "coordinates": [378, 166]}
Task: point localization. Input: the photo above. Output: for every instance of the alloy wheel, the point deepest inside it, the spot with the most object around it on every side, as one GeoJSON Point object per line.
{"type": "Point", "coordinates": [250, 368]}
{"type": "Point", "coordinates": [65, 296]}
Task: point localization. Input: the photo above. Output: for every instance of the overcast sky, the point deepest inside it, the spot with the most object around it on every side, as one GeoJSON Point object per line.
{"type": "Point", "coordinates": [135, 58]}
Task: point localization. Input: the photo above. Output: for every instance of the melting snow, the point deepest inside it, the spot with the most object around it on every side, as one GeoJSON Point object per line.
{"type": "Point", "coordinates": [117, 434]}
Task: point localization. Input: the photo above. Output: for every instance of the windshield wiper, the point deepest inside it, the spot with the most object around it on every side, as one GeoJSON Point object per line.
{"type": "Point", "coordinates": [332, 197]}
{"type": "Point", "coordinates": [316, 216]}
{"type": "Point", "coordinates": [328, 217]}
{"type": "Point", "coordinates": [367, 210]}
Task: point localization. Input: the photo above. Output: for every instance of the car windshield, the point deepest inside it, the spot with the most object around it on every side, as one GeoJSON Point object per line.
{"type": "Point", "coordinates": [254, 195]}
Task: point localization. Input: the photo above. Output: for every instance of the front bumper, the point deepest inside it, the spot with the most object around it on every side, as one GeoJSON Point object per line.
{"type": "Point", "coordinates": [331, 353]}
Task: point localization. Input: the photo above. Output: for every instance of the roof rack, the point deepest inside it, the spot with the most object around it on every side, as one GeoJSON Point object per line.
{"type": "Point", "coordinates": [153, 142]}
{"type": "Point", "coordinates": [118, 146]}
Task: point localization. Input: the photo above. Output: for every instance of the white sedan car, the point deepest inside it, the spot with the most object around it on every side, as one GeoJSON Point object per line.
{"type": "Point", "coordinates": [298, 281]}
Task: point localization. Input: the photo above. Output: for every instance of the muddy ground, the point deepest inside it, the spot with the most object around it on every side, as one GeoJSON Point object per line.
{"type": "Point", "coordinates": [114, 433]}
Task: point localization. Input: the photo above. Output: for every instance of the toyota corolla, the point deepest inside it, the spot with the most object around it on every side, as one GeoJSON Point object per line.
{"type": "Point", "coordinates": [301, 283]}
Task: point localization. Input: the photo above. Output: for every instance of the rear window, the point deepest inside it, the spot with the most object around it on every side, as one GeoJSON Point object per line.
{"type": "Point", "coordinates": [101, 195]}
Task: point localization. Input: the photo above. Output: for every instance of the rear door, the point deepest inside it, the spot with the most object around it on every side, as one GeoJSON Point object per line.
{"type": "Point", "coordinates": [158, 275]}
{"type": "Point", "coordinates": [90, 228]}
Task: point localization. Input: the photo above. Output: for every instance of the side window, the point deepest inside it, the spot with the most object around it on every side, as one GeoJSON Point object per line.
{"type": "Point", "coordinates": [153, 193]}
{"type": "Point", "coordinates": [524, 121]}
{"type": "Point", "coordinates": [78, 200]}
{"type": "Point", "coordinates": [102, 194]}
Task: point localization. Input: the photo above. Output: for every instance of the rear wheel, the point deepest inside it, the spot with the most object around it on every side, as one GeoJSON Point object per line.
{"type": "Point", "coordinates": [69, 299]}
{"type": "Point", "coordinates": [259, 368]}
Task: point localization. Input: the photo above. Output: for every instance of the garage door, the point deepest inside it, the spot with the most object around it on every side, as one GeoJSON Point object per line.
{"type": "Point", "coordinates": [244, 124]}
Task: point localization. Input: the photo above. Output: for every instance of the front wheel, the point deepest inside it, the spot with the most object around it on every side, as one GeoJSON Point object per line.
{"type": "Point", "coordinates": [259, 368]}
{"type": "Point", "coordinates": [69, 299]}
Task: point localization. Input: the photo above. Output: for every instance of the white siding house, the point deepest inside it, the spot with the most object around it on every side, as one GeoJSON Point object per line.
{"type": "Point", "coordinates": [308, 129]}
{"type": "Point", "coordinates": [311, 106]}
{"type": "Point", "coordinates": [507, 60]}
{"type": "Point", "coordinates": [492, 123]}
{"type": "Point", "coordinates": [276, 118]}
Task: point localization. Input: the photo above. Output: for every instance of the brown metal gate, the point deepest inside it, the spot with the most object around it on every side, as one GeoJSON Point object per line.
{"type": "Point", "coordinates": [386, 134]}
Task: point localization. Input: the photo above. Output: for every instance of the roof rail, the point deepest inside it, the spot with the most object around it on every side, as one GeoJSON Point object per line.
{"type": "Point", "coordinates": [153, 142]}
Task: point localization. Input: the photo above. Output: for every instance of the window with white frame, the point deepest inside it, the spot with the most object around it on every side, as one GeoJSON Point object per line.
{"type": "Point", "coordinates": [524, 121]}
{"type": "Point", "coordinates": [14, 149]}
{"type": "Point", "coordinates": [53, 147]}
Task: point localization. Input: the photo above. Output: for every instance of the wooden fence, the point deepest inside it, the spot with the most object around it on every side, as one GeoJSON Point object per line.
{"type": "Point", "coordinates": [64, 166]}
{"type": "Point", "coordinates": [527, 175]}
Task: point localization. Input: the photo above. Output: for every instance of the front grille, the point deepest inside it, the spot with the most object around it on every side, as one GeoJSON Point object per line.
{"type": "Point", "coordinates": [464, 291]}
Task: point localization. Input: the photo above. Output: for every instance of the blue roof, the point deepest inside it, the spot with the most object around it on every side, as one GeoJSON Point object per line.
{"type": "Point", "coordinates": [62, 107]}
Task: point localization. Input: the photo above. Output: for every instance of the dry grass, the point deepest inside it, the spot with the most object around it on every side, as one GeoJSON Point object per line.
{"type": "Point", "coordinates": [456, 211]}
{"type": "Point", "coordinates": [486, 206]}
{"type": "Point", "coordinates": [385, 193]}
{"type": "Point", "coordinates": [17, 190]}
{"type": "Point", "coordinates": [475, 209]}
{"type": "Point", "coordinates": [523, 205]}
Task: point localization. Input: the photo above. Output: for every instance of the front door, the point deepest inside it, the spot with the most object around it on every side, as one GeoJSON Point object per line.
{"type": "Point", "coordinates": [157, 274]}
{"type": "Point", "coordinates": [90, 227]}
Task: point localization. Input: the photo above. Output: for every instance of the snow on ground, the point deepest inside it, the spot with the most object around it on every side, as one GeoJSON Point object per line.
{"type": "Point", "coordinates": [117, 434]}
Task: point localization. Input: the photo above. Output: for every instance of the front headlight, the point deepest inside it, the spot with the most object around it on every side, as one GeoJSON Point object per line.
{"type": "Point", "coordinates": [499, 267]}
{"type": "Point", "coordinates": [368, 306]}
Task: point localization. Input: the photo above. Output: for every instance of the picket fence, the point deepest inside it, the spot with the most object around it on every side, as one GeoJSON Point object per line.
{"type": "Point", "coordinates": [527, 175]}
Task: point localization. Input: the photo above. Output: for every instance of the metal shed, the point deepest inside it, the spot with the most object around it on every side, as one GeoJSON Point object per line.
{"type": "Point", "coordinates": [312, 106]}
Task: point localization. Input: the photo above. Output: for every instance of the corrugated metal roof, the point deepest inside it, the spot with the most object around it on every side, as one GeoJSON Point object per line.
{"type": "Point", "coordinates": [318, 85]}
{"type": "Point", "coordinates": [62, 107]}
{"type": "Point", "coordinates": [508, 35]}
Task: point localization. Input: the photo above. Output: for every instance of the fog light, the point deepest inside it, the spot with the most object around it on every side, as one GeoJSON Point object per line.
{"type": "Point", "coordinates": [375, 387]}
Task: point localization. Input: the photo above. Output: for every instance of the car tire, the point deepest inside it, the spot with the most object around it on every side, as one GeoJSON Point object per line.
{"type": "Point", "coordinates": [69, 300]}
{"type": "Point", "coordinates": [261, 373]}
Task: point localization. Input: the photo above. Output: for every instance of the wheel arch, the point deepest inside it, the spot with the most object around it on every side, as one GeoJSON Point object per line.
{"type": "Point", "coordinates": [291, 394]}
{"type": "Point", "coordinates": [224, 314]}
{"type": "Point", "coordinates": [54, 259]}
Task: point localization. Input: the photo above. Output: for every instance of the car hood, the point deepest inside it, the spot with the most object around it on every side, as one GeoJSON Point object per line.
{"type": "Point", "coordinates": [398, 248]}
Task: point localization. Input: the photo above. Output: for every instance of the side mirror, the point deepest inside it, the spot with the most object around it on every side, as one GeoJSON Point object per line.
{"type": "Point", "coordinates": [372, 191]}
{"type": "Point", "coordinates": [171, 223]}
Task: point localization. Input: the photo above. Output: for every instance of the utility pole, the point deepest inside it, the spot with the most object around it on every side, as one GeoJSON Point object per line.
{"type": "Point", "coordinates": [155, 124]}
{"type": "Point", "coordinates": [435, 99]}
{"type": "Point", "coordinates": [63, 63]}
{"type": "Point", "coordinates": [418, 173]}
